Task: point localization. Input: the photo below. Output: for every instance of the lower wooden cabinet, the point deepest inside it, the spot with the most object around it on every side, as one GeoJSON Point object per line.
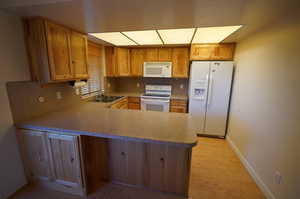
{"type": "Point", "coordinates": [127, 103]}
{"type": "Point", "coordinates": [77, 164]}
{"type": "Point", "coordinates": [35, 155]}
{"type": "Point", "coordinates": [53, 160]}
{"type": "Point", "coordinates": [178, 106]}
{"type": "Point", "coordinates": [64, 155]}
{"type": "Point", "coordinates": [157, 166]}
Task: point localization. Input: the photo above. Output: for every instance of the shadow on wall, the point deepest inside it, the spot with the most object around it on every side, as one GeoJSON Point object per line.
{"type": "Point", "coordinates": [8, 154]}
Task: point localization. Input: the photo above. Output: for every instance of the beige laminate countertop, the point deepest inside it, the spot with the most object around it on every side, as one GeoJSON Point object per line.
{"type": "Point", "coordinates": [137, 94]}
{"type": "Point", "coordinates": [95, 120]}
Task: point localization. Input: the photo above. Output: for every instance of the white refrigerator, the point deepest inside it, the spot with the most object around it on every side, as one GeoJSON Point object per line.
{"type": "Point", "coordinates": [209, 94]}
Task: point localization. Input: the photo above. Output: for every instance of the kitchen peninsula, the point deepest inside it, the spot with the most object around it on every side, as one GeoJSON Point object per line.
{"type": "Point", "coordinates": [78, 149]}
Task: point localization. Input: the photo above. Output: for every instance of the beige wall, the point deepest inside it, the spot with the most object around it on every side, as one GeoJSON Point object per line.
{"type": "Point", "coordinates": [265, 110]}
{"type": "Point", "coordinates": [13, 67]}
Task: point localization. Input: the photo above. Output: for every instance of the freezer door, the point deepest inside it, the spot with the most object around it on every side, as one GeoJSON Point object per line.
{"type": "Point", "coordinates": [218, 97]}
{"type": "Point", "coordinates": [198, 93]}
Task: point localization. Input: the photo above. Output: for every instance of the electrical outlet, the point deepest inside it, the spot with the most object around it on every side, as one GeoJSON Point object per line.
{"type": "Point", "coordinates": [41, 99]}
{"type": "Point", "coordinates": [138, 85]}
{"type": "Point", "coordinates": [277, 177]}
{"type": "Point", "coordinates": [181, 86]}
{"type": "Point", "coordinates": [58, 95]}
{"type": "Point", "coordinates": [77, 91]}
{"type": "Point", "coordinates": [108, 85]}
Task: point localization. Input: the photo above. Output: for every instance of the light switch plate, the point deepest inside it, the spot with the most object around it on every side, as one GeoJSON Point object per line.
{"type": "Point", "coordinates": [58, 95]}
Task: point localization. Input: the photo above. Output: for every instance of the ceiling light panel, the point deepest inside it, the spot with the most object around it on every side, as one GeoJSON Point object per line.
{"type": "Point", "coordinates": [213, 34]}
{"type": "Point", "coordinates": [115, 38]}
{"type": "Point", "coordinates": [147, 37]}
{"type": "Point", "coordinates": [177, 36]}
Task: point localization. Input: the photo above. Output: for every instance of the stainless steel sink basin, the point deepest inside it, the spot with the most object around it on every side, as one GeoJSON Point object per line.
{"type": "Point", "coordinates": [105, 98]}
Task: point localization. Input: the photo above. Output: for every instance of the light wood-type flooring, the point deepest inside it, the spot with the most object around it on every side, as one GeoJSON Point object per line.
{"type": "Point", "coordinates": [216, 173]}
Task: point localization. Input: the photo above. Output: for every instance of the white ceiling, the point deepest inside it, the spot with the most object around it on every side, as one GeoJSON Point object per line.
{"type": "Point", "coordinates": [130, 15]}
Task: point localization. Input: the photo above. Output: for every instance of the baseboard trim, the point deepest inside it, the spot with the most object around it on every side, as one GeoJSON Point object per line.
{"type": "Point", "coordinates": [263, 187]}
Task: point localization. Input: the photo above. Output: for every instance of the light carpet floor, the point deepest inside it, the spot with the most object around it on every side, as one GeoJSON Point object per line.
{"type": "Point", "coordinates": [216, 173]}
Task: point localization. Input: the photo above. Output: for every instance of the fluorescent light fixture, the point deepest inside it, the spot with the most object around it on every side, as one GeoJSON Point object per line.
{"type": "Point", "coordinates": [213, 34]}
{"type": "Point", "coordinates": [147, 37]}
{"type": "Point", "coordinates": [177, 36]}
{"type": "Point", "coordinates": [115, 38]}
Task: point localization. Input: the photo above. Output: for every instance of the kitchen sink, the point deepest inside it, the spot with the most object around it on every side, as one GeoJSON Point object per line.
{"type": "Point", "coordinates": [105, 98]}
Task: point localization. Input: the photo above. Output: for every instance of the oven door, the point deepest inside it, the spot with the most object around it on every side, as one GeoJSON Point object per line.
{"type": "Point", "coordinates": [155, 105]}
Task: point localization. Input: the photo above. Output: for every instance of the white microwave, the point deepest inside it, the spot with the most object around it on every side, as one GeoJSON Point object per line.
{"type": "Point", "coordinates": [157, 69]}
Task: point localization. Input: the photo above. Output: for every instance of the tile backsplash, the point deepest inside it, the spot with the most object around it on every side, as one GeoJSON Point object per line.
{"type": "Point", "coordinates": [30, 99]}
{"type": "Point", "coordinates": [137, 84]}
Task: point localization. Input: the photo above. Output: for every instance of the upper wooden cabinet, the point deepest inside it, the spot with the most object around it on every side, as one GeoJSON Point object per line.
{"type": "Point", "coordinates": [130, 61]}
{"type": "Point", "coordinates": [151, 54]}
{"type": "Point", "coordinates": [59, 51]}
{"type": "Point", "coordinates": [56, 53]}
{"type": "Point", "coordinates": [79, 55]}
{"type": "Point", "coordinates": [208, 52]}
{"type": "Point", "coordinates": [122, 61]}
{"type": "Point", "coordinates": [110, 62]}
{"type": "Point", "coordinates": [180, 62]}
{"type": "Point", "coordinates": [165, 54]}
{"type": "Point", "coordinates": [137, 57]}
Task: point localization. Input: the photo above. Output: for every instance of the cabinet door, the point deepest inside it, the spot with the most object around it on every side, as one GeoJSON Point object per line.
{"type": "Point", "coordinates": [168, 168]}
{"type": "Point", "coordinates": [110, 62]}
{"type": "Point", "coordinates": [180, 62]}
{"type": "Point", "coordinates": [202, 51]}
{"type": "Point", "coordinates": [79, 55]}
{"type": "Point", "coordinates": [64, 153]}
{"type": "Point", "coordinates": [122, 61]}
{"type": "Point", "coordinates": [35, 154]}
{"type": "Point", "coordinates": [151, 54]}
{"type": "Point", "coordinates": [127, 162]}
{"type": "Point", "coordinates": [165, 54]}
{"type": "Point", "coordinates": [137, 61]}
{"type": "Point", "coordinates": [58, 43]}
{"type": "Point", "coordinates": [118, 160]}
{"type": "Point", "coordinates": [223, 52]}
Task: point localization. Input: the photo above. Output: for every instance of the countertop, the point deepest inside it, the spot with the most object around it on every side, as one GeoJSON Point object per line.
{"type": "Point", "coordinates": [95, 120]}
{"type": "Point", "coordinates": [138, 94]}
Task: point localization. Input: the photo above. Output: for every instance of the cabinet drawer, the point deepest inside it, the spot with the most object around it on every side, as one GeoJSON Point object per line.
{"type": "Point", "coordinates": [135, 106]}
{"type": "Point", "coordinates": [177, 102]}
{"type": "Point", "coordinates": [133, 99]}
{"type": "Point", "coordinates": [178, 109]}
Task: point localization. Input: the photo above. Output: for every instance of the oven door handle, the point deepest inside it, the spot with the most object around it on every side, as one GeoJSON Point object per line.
{"type": "Point", "coordinates": [155, 101]}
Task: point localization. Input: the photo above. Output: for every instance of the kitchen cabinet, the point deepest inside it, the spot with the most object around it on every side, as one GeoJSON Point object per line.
{"type": "Point", "coordinates": [79, 55]}
{"type": "Point", "coordinates": [35, 156]}
{"type": "Point", "coordinates": [137, 57]}
{"type": "Point", "coordinates": [59, 51]}
{"type": "Point", "coordinates": [134, 103]}
{"type": "Point", "coordinates": [168, 168]}
{"type": "Point", "coordinates": [122, 61]}
{"type": "Point", "coordinates": [52, 160]}
{"type": "Point", "coordinates": [209, 52]}
{"type": "Point", "coordinates": [151, 54]}
{"type": "Point", "coordinates": [165, 54]}
{"type": "Point", "coordinates": [65, 159]}
{"type": "Point", "coordinates": [110, 62]}
{"type": "Point", "coordinates": [121, 104]}
{"type": "Point", "coordinates": [56, 53]}
{"type": "Point", "coordinates": [178, 106]}
{"type": "Point", "coordinates": [126, 162]}
{"type": "Point", "coordinates": [180, 63]}
{"type": "Point", "coordinates": [224, 52]}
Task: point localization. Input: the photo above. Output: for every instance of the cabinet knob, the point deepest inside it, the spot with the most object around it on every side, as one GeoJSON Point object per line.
{"type": "Point", "coordinates": [162, 159]}
{"type": "Point", "coordinates": [72, 160]}
{"type": "Point", "coordinates": [122, 153]}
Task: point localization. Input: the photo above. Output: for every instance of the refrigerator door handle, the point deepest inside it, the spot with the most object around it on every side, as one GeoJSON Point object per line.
{"type": "Point", "coordinates": [210, 90]}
